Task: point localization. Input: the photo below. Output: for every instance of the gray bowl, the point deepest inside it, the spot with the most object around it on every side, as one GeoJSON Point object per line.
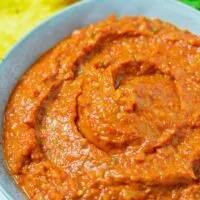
{"type": "Point", "coordinates": [47, 34]}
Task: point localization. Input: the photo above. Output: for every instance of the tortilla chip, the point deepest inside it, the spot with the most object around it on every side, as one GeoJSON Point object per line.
{"type": "Point", "coordinates": [17, 17]}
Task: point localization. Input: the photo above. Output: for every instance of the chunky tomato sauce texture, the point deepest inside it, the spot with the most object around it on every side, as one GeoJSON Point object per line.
{"type": "Point", "coordinates": [112, 112]}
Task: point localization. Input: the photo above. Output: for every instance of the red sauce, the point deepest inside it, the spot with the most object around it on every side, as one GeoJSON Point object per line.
{"type": "Point", "coordinates": [112, 112]}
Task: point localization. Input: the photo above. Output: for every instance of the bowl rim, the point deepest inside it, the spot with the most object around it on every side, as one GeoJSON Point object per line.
{"type": "Point", "coordinates": [73, 6]}
{"type": "Point", "coordinates": [3, 194]}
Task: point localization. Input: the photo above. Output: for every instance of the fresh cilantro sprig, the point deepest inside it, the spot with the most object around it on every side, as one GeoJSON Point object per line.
{"type": "Point", "coordinates": [193, 3]}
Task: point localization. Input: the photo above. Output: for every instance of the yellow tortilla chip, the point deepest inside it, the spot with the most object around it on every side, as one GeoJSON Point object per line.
{"type": "Point", "coordinates": [17, 17]}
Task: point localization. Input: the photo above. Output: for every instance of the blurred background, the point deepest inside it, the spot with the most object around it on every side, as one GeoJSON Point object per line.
{"type": "Point", "coordinates": [17, 17]}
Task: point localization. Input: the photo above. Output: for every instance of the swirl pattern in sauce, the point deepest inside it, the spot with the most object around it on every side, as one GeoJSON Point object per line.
{"type": "Point", "coordinates": [112, 112]}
